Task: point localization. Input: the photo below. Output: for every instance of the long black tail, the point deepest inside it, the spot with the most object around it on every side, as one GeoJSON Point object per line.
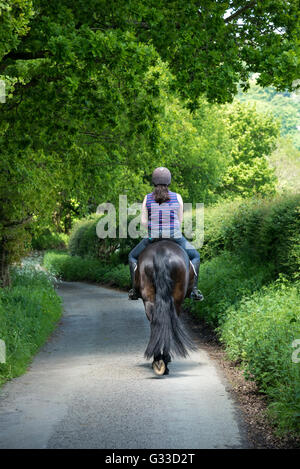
{"type": "Point", "coordinates": [168, 335]}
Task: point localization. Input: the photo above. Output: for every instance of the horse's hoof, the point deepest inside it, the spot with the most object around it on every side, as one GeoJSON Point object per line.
{"type": "Point", "coordinates": [167, 371]}
{"type": "Point", "coordinates": [159, 367]}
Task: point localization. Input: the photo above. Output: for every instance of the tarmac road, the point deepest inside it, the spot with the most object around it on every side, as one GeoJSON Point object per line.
{"type": "Point", "coordinates": [90, 387]}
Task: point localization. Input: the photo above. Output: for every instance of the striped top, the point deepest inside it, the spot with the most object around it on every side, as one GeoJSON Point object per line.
{"type": "Point", "coordinates": [163, 220]}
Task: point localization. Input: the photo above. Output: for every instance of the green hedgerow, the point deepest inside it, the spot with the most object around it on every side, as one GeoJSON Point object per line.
{"type": "Point", "coordinates": [264, 230]}
{"type": "Point", "coordinates": [260, 332]}
{"type": "Point", "coordinates": [84, 242]}
{"type": "Point", "coordinates": [225, 281]}
{"type": "Point", "coordinates": [75, 268]}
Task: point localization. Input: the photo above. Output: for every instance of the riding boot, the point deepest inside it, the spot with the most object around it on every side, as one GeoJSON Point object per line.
{"type": "Point", "coordinates": [133, 294]}
{"type": "Point", "coordinates": [196, 293]}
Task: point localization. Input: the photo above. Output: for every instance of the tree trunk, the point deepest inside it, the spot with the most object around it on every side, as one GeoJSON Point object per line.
{"type": "Point", "coordinates": [4, 266]}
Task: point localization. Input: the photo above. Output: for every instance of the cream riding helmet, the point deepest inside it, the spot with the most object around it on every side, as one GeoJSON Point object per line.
{"type": "Point", "coordinates": [161, 175]}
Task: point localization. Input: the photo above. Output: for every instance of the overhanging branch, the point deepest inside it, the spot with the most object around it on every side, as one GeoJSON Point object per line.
{"type": "Point", "coordinates": [238, 13]}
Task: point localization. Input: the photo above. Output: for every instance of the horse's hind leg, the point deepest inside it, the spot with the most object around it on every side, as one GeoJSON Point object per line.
{"type": "Point", "coordinates": [167, 359]}
{"type": "Point", "coordinates": [158, 357]}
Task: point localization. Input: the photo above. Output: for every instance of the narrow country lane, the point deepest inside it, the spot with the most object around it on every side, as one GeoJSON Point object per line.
{"type": "Point", "coordinates": [90, 387]}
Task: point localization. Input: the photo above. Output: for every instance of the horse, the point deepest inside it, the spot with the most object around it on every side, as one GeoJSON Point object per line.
{"type": "Point", "coordinates": [164, 276]}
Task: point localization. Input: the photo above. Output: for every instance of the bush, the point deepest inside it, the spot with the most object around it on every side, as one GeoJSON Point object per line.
{"type": "Point", "coordinates": [84, 242]}
{"type": "Point", "coordinates": [118, 276]}
{"type": "Point", "coordinates": [263, 230]}
{"type": "Point", "coordinates": [260, 333]}
{"type": "Point", "coordinates": [216, 219]}
{"type": "Point", "coordinates": [29, 311]}
{"type": "Point", "coordinates": [83, 239]}
{"type": "Point", "coordinates": [225, 281]}
{"type": "Point", "coordinates": [49, 240]}
{"type": "Point", "coordinates": [267, 231]}
{"type": "Point", "coordinates": [75, 268]}
{"type": "Point", "coordinates": [257, 319]}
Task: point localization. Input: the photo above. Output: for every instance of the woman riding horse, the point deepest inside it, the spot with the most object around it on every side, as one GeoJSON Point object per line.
{"type": "Point", "coordinates": [162, 214]}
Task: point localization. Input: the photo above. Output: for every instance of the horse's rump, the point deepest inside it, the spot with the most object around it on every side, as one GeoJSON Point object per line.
{"type": "Point", "coordinates": [181, 272]}
{"type": "Point", "coordinates": [164, 278]}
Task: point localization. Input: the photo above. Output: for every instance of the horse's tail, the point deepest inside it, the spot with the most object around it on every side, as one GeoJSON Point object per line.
{"type": "Point", "coordinates": [168, 335]}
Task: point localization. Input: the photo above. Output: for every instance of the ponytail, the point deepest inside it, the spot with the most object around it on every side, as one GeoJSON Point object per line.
{"type": "Point", "coordinates": [161, 193]}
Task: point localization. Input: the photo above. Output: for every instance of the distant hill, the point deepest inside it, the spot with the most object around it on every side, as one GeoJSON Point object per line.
{"type": "Point", "coordinates": [285, 106]}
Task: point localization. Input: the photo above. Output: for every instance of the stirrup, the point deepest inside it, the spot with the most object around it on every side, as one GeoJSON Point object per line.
{"type": "Point", "coordinates": [196, 294]}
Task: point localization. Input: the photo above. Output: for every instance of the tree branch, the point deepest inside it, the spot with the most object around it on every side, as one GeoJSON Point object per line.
{"type": "Point", "coordinates": [240, 11]}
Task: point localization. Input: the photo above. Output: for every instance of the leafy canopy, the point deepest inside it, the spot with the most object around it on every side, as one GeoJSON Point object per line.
{"type": "Point", "coordinates": [85, 102]}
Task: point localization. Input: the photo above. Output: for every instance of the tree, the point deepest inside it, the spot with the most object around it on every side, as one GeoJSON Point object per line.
{"type": "Point", "coordinates": [69, 122]}
{"type": "Point", "coordinates": [211, 46]}
{"type": "Point", "coordinates": [253, 137]}
{"type": "Point", "coordinates": [196, 148]}
{"type": "Point", "coordinates": [83, 94]}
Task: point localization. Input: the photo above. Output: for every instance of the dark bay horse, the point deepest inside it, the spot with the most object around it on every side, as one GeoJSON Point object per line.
{"type": "Point", "coordinates": [165, 277]}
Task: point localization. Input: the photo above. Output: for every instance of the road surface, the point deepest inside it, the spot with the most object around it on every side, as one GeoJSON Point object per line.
{"type": "Point", "coordinates": [90, 387]}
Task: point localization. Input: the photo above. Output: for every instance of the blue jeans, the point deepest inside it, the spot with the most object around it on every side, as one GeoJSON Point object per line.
{"type": "Point", "coordinates": [193, 254]}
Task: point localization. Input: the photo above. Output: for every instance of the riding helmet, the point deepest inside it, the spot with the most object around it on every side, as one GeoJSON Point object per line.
{"type": "Point", "coordinates": [161, 175]}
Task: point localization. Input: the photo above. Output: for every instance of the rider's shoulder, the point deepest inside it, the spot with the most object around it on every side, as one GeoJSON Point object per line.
{"type": "Point", "coordinates": [179, 198]}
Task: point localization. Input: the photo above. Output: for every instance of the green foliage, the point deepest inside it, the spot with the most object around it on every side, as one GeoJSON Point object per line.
{"type": "Point", "coordinates": [118, 275]}
{"type": "Point", "coordinates": [253, 137]}
{"type": "Point", "coordinates": [51, 153]}
{"type": "Point", "coordinates": [72, 268]}
{"type": "Point", "coordinates": [196, 149]}
{"type": "Point", "coordinates": [92, 105]}
{"type": "Point", "coordinates": [249, 279]}
{"type": "Point", "coordinates": [284, 106]}
{"type": "Point", "coordinates": [46, 239]}
{"type": "Point", "coordinates": [260, 333]}
{"type": "Point", "coordinates": [83, 238]}
{"type": "Point", "coordinates": [15, 16]}
{"type": "Point", "coordinates": [267, 231]}
{"type": "Point", "coordinates": [285, 160]}
{"type": "Point", "coordinates": [257, 321]}
{"type": "Point", "coordinates": [263, 230]}
{"type": "Point", "coordinates": [75, 268]}
{"type": "Point", "coordinates": [207, 55]}
{"type": "Point", "coordinates": [29, 311]}
{"type": "Point", "coordinates": [84, 242]}
{"type": "Point", "coordinates": [225, 280]}
{"type": "Point", "coordinates": [216, 220]}
{"type": "Point", "coordinates": [218, 151]}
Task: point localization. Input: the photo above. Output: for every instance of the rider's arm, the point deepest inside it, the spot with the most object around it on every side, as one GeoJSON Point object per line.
{"type": "Point", "coordinates": [180, 213]}
{"type": "Point", "coordinates": [144, 216]}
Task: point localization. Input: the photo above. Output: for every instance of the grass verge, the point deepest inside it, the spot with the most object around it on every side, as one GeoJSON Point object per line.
{"type": "Point", "coordinates": [29, 310]}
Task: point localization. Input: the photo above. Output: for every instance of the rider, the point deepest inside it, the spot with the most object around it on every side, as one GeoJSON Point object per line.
{"type": "Point", "coordinates": [162, 214]}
